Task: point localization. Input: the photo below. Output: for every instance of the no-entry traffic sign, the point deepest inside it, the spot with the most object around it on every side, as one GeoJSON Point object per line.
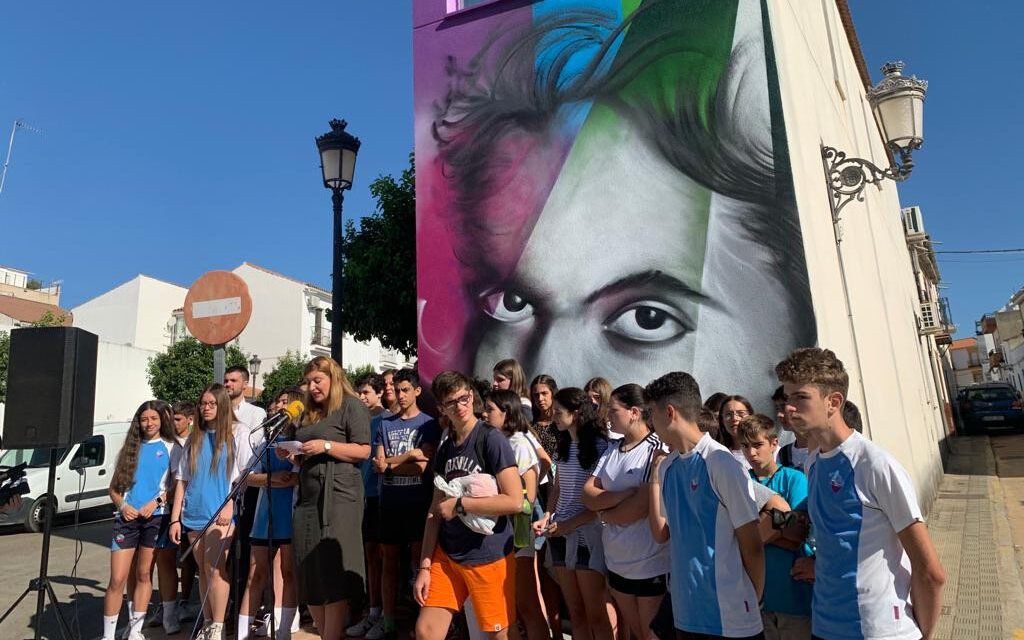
{"type": "Point", "coordinates": [217, 307]}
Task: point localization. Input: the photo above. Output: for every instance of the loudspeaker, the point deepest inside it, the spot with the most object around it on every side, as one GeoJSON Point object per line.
{"type": "Point", "coordinates": [51, 387]}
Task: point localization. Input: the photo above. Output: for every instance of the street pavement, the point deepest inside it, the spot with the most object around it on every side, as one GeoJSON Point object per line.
{"type": "Point", "coordinates": [976, 521]}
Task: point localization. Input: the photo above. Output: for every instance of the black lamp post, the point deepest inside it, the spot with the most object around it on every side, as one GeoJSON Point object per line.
{"type": "Point", "coordinates": [338, 149]}
{"type": "Point", "coordinates": [254, 370]}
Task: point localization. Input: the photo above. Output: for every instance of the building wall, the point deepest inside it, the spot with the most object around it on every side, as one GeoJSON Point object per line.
{"type": "Point", "coordinates": [527, 224]}
{"type": "Point", "coordinates": [278, 306]}
{"type": "Point", "coordinates": [121, 382]}
{"type": "Point", "coordinates": [823, 92]}
{"type": "Point", "coordinates": [157, 300]}
{"type": "Point", "coordinates": [112, 315]}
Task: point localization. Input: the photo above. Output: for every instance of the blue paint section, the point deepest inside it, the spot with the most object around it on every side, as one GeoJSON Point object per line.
{"type": "Point", "coordinates": [581, 57]}
{"type": "Point", "coordinates": [837, 513]}
{"type": "Point", "coordinates": [692, 522]}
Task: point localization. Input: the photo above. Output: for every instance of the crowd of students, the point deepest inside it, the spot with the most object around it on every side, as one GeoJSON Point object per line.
{"type": "Point", "coordinates": [639, 511]}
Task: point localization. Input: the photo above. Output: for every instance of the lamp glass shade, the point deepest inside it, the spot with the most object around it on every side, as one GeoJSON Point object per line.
{"type": "Point", "coordinates": [901, 116]}
{"type": "Point", "coordinates": [339, 166]}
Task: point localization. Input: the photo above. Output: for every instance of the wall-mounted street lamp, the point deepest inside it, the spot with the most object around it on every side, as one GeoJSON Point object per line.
{"type": "Point", "coordinates": [338, 150]}
{"type": "Point", "coordinates": [898, 104]}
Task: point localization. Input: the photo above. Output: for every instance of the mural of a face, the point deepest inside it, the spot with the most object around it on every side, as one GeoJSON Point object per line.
{"type": "Point", "coordinates": [607, 186]}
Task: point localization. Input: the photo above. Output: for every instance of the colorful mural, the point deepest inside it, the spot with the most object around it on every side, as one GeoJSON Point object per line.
{"type": "Point", "coordinates": [603, 188]}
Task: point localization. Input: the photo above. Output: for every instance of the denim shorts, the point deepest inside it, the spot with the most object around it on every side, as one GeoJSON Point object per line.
{"type": "Point", "coordinates": [581, 549]}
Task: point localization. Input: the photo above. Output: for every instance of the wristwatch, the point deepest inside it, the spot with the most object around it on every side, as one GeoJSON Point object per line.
{"type": "Point", "coordinates": [327, 446]}
{"type": "Point", "coordinates": [459, 509]}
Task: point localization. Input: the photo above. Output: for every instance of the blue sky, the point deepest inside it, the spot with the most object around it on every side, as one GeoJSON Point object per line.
{"type": "Point", "coordinates": [178, 138]}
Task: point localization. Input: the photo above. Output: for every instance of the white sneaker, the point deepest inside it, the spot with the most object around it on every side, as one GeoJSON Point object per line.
{"type": "Point", "coordinates": [357, 630]}
{"type": "Point", "coordinates": [297, 624]}
{"type": "Point", "coordinates": [376, 632]}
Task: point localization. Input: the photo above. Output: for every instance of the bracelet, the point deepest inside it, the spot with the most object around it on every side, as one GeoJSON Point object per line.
{"type": "Point", "coordinates": [175, 522]}
{"type": "Point", "coordinates": [424, 569]}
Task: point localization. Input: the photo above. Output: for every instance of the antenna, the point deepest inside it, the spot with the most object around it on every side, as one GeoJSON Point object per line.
{"type": "Point", "coordinates": [18, 124]}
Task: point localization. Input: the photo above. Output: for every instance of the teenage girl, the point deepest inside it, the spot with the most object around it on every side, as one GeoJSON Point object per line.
{"type": "Point", "coordinates": [573, 533]}
{"type": "Point", "coordinates": [734, 409]}
{"type": "Point", "coordinates": [508, 376]}
{"type": "Point", "coordinates": [138, 491]}
{"type": "Point", "coordinates": [283, 478]}
{"type": "Point", "coordinates": [217, 451]}
{"type": "Point", "coordinates": [617, 491]}
{"type": "Point", "coordinates": [502, 411]}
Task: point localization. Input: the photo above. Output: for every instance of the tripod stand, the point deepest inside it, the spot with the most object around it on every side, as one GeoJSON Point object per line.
{"type": "Point", "coordinates": [41, 585]}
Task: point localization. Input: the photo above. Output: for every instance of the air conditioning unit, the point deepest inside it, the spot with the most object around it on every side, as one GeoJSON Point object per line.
{"type": "Point", "coordinates": [931, 318]}
{"type": "Point", "coordinates": [913, 223]}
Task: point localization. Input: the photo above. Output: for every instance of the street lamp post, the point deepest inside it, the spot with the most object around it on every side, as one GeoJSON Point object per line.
{"type": "Point", "coordinates": [254, 370]}
{"type": "Point", "coordinates": [338, 149]}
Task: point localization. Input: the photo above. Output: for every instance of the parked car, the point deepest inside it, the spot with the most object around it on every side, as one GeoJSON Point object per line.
{"type": "Point", "coordinates": [990, 405]}
{"type": "Point", "coordinates": [83, 475]}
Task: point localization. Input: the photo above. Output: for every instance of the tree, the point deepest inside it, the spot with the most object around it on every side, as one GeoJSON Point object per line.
{"type": "Point", "coordinates": [50, 319]}
{"type": "Point", "coordinates": [287, 372]}
{"type": "Point", "coordinates": [34, 284]}
{"type": "Point", "coordinates": [5, 354]}
{"type": "Point", "coordinates": [358, 372]}
{"type": "Point", "coordinates": [186, 368]}
{"type": "Point", "coordinates": [380, 266]}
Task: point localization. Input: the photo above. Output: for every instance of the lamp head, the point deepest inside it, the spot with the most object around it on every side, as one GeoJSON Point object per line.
{"type": "Point", "coordinates": [898, 104]}
{"type": "Point", "coordinates": [338, 149]}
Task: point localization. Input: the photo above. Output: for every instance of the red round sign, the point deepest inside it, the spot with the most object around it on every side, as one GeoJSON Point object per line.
{"type": "Point", "coordinates": [217, 307]}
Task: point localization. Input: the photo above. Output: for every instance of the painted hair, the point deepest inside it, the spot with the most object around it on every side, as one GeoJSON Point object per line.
{"type": "Point", "coordinates": [589, 427]}
{"type": "Point", "coordinates": [723, 431]}
{"type": "Point", "coordinates": [222, 427]}
{"type": "Point", "coordinates": [528, 83]}
{"type": "Point", "coordinates": [128, 457]}
{"type": "Point", "coordinates": [340, 387]}
{"type": "Point", "coordinates": [511, 369]}
{"type": "Point", "coordinates": [508, 402]}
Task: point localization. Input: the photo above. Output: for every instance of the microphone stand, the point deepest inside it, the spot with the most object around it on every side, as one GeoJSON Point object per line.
{"type": "Point", "coordinates": [235, 494]}
{"type": "Point", "coordinates": [270, 531]}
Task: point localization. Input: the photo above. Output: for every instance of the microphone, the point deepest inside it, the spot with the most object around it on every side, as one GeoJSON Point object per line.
{"type": "Point", "coordinates": [292, 411]}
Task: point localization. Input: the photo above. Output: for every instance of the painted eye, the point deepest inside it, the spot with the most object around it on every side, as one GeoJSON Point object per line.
{"type": "Point", "coordinates": [506, 306]}
{"type": "Point", "coordinates": [647, 321]}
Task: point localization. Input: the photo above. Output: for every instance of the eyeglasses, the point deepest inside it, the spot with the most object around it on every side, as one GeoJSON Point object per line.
{"type": "Point", "coordinates": [736, 414]}
{"type": "Point", "coordinates": [461, 401]}
{"type": "Point", "coordinates": [209, 403]}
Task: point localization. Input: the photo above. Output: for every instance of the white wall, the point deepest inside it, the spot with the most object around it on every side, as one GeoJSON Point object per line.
{"type": "Point", "coordinates": [157, 300]}
{"type": "Point", "coordinates": [823, 101]}
{"type": "Point", "coordinates": [121, 384]}
{"type": "Point", "coordinates": [278, 305]}
{"type": "Point", "coordinates": [111, 315]}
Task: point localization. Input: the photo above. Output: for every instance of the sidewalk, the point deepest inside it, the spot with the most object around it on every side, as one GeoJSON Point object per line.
{"type": "Point", "coordinates": [969, 524]}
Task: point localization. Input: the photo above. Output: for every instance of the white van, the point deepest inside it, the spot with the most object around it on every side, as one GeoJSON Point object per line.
{"type": "Point", "coordinates": [83, 476]}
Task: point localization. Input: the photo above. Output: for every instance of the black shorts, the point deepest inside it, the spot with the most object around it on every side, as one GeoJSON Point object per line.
{"type": "Point", "coordinates": [644, 588]}
{"type": "Point", "coordinates": [371, 521]}
{"type": "Point", "coordinates": [401, 523]}
{"type": "Point", "coordinates": [140, 532]}
{"type": "Point", "coordinates": [260, 542]}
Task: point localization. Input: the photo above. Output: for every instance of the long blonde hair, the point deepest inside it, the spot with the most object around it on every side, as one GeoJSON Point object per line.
{"type": "Point", "coordinates": [340, 387]}
{"type": "Point", "coordinates": [223, 429]}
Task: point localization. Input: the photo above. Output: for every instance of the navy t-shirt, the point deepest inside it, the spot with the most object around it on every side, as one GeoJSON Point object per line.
{"type": "Point", "coordinates": [401, 436]}
{"type": "Point", "coordinates": [463, 545]}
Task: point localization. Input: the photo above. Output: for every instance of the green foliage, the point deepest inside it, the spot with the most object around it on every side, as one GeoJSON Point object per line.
{"type": "Point", "coordinates": [358, 372]}
{"type": "Point", "coordinates": [287, 372]}
{"type": "Point", "coordinates": [50, 319]}
{"type": "Point", "coordinates": [5, 354]}
{"type": "Point", "coordinates": [380, 266]}
{"type": "Point", "coordinates": [34, 284]}
{"type": "Point", "coordinates": [186, 368]}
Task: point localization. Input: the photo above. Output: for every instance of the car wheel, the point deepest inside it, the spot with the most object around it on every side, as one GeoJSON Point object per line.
{"type": "Point", "coordinates": [36, 515]}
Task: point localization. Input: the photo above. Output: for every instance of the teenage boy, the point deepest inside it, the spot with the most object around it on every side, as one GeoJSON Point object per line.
{"type": "Point", "coordinates": [702, 504]}
{"type": "Point", "coordinates": [370, 388]}
{"type": "Point", "coordinates": [874, 556]}
{"type": "Point", "coordinates": [787, 603]}
{"type": "Point", "coordinates": [456, 563]}
{"type": "Point", "coordinates": [405, 444]}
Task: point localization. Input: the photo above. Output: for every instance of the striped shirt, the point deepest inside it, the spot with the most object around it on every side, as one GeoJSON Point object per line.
{"type": "Point", "coordinates": [571, 478]}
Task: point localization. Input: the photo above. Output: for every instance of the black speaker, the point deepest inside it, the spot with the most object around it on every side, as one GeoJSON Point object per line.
{"type": "Point", "coordinates": [51, 387]}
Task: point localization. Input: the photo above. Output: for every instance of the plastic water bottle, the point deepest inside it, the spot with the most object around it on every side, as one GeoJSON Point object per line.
{"type": "Point", "coordinates": [521, 533]}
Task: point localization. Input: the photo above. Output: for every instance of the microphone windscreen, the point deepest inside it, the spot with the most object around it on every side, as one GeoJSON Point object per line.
{"type": "Point", "coordinates": [294, 408]}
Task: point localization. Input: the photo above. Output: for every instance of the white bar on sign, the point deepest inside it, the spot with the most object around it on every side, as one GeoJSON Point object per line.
{"type": "Point", "coordinates": [219, 307]}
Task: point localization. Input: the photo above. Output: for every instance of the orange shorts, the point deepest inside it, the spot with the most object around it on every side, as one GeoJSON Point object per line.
{"type": "Point", "coordinates": [490, 587]}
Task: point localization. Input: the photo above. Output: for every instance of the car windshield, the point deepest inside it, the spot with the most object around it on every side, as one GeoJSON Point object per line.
{"type": "Point", "coordinates": [36, 458]}
{"type": "Point", "coordinates": [991, 395]}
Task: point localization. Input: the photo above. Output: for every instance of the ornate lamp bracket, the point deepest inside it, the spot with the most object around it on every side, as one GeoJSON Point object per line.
{"type": "Point", "coordinates": [847, 177]}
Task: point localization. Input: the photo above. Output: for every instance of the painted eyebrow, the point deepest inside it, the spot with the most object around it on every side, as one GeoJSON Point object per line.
{"type": "Point", "coordinates": [643, 278]}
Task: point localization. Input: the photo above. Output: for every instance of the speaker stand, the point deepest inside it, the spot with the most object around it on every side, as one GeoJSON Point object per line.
{"type": "Point", "coordinates": [41, 585]}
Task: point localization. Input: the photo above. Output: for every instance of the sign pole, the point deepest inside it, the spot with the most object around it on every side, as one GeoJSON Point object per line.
{"type": "Point", "coordinates": [218, 363]}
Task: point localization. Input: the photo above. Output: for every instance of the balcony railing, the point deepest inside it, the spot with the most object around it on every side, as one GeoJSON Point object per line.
{"type": "Point", "coordinates": [321, 337]}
